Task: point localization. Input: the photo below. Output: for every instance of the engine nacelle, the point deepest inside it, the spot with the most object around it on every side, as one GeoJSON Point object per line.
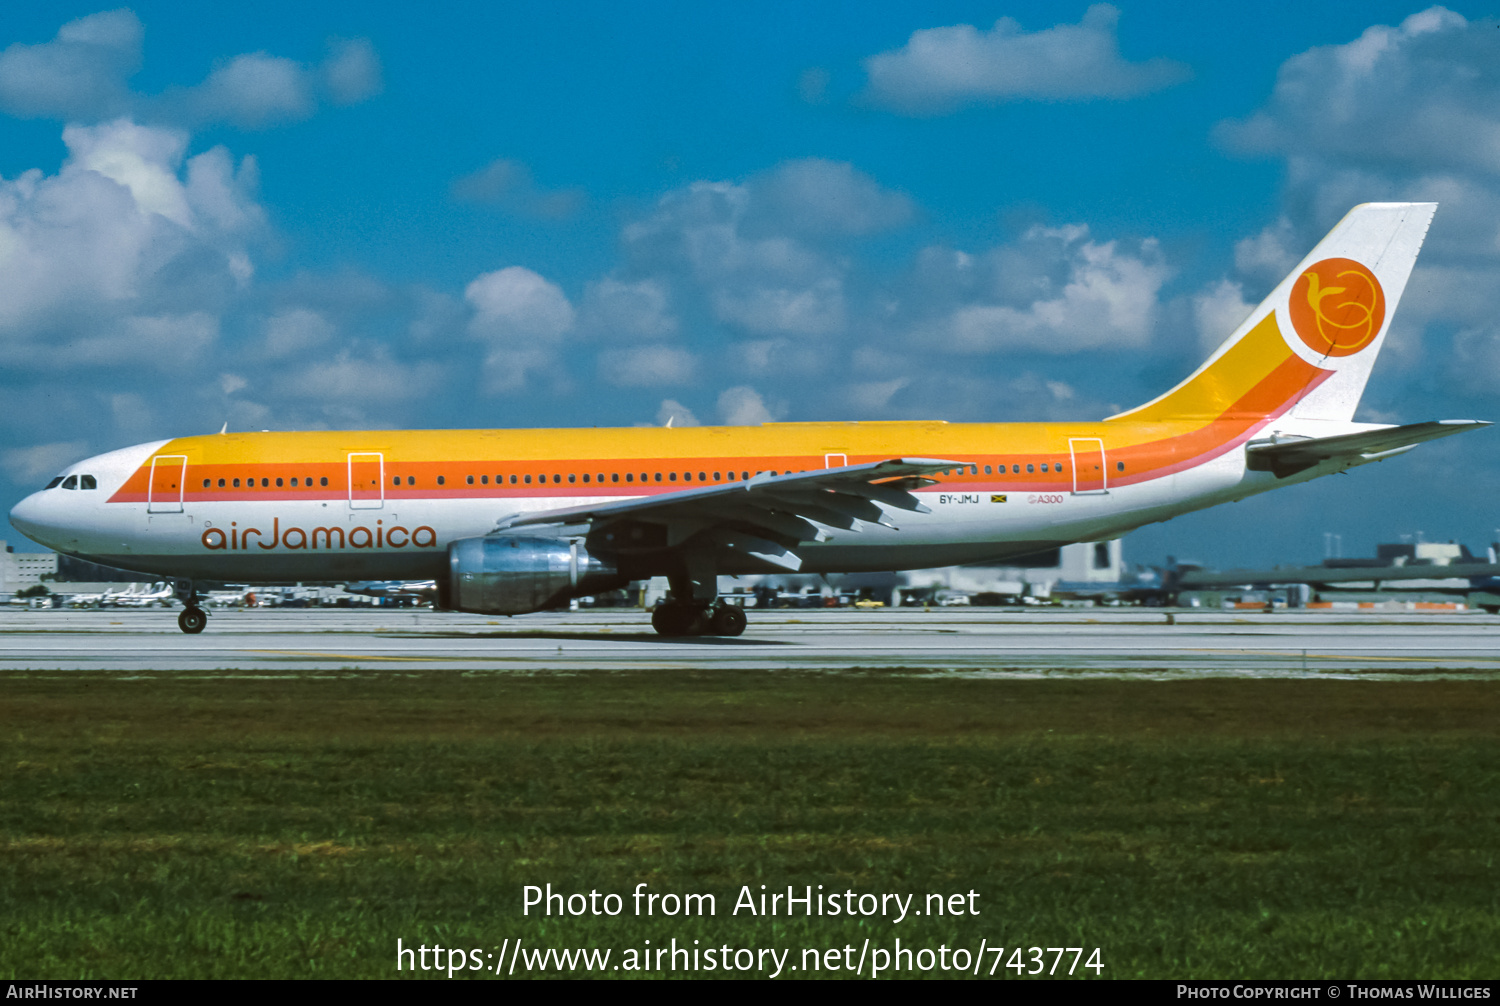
{"type": "Point", "coordinates": [511, 574]}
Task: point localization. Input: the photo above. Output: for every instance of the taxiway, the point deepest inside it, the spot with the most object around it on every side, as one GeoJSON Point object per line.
{"type": "Point", "coordinates": [1021, 642]}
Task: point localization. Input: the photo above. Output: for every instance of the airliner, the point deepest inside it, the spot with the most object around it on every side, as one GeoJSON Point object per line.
{"type": "Point", "coordinates": [515, 521]}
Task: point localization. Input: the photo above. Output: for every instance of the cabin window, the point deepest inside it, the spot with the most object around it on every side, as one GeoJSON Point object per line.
{"type": "Point", "coordinates": [440, 480]}
{"type": "Point", "coordinates": [671, 476]}
{"type": "Point", "coordinates": [323, 481]}
{"type": "Point", "coordinates": [614, 476]}
{"type": "Point", "coordinates": [513, 480]}
{"type": "Point", "coordinates": [1059, 466]}
{"type": "Point", "coordinates": [1119, 466]}
{"type": "Point", "coordinates": [484, 480]}
{"type": "Point", "coordinates": [585, 478]}
{"type": "Point", "coordinates": [658, 478]}
{"type": "Point", "coordinates": [702, 476]}
{"type": "Point", "coordinates": [1044, 466]}
{"type": "Point", "coordinates": [206, 482]}
{"type": "Point", "coordinates": [1031, 468]}
{"type": "Point", "coordinates": [278, 482]}
{"type": "Point", "coordinates": [630, 476]}
{"type": "Point", "coordinates": [396, 480]}
{"type": "Point", "coordinates": [470, 479]}
{"type": "Point", "coordinates": [716, 477]}
{"type": "Point", "coordinates": [265, 483]}
{"type": "Point", "coordinates": [236, 483]}
{"type": "Point", "coordinates": [221, 483]}
{"type": "Point", "coordinates": [572, 479]}
{"type": "Point", "coordinates": [528, 480]}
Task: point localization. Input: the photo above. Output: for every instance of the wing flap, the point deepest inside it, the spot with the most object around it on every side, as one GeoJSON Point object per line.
{"type": "Point", "coordinates": [768, 508]}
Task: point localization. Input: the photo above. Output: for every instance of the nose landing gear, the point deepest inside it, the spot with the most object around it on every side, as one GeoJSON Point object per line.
{"type": "Point", "coordinates": [193, 618]}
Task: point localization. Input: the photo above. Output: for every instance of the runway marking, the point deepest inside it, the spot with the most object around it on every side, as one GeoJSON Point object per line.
{"type": "Point", "coordinates": [1283, 652]}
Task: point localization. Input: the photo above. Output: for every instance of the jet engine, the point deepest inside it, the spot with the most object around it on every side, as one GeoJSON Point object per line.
{"type": "Point", "coordinates": [511, 574]}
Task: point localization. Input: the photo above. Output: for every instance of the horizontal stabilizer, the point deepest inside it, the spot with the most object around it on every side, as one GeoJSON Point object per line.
{"type": "Point", "coordinates": [1288, 456]}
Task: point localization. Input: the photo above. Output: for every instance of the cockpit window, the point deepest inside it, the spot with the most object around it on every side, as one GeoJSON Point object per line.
{"type": "Point", "coordinates": [55, 482]}
{"type": "Point", "coordinates": [87, 482]}
{"type": "Point", "coordinates": [71, 482]}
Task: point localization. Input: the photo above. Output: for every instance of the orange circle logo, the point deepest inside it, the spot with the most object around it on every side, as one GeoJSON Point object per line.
{"type": "Point", "coordinates": [1337, 307]}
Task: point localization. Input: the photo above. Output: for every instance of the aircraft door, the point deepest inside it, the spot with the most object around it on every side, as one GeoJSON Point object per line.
{"type": "Point", "coordinates": [1090, 476]}
{"type": "Point", "coordinates": [366, 481]}
{"type": "Point", "coordinates": [165, 492]}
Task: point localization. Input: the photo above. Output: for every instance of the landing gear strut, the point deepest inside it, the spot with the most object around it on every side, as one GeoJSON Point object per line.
{"type": "Point", "coordinates": [192, 619]}
{"type": "Point", "coordinates": [692, 607]}
{"type": "Point", "coordinates": [679, 618]}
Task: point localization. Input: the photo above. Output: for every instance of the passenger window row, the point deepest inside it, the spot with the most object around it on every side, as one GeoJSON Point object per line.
{"type": "Point", "coordinates": [573, 478]}
{"type": "Point", "coordinates": [265, 483]}
{"type": "Point", "coordinates": [589, 478]}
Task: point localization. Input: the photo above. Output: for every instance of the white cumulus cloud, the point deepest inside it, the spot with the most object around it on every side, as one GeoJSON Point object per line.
{"type": "Point", "coordinates": [941, 69]}
{"type": "Point", "coordinates": [33, 464]}
{"type": "Point", "coordinates": [743, 406]}
{"type": "Point", "coordinates": [509, 185]}
{"type": "Point", "coordinates": [352, 71]}
{"type": "Point", "coordinates": [1106, 297]}
{"type": "Point", "coordinates": [119, 228]}
{"type": "Point", "coordinates": [515, 304]}
{"type": "Point", "coordinates": [647, 366]}
{"type": "Point", "coordinates": [1218, 311]}
{"type": "Point", "coordinates": [80, 74]}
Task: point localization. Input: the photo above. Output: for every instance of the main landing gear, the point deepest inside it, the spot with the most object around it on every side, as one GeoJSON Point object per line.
{"type": "Point", "coordinates": [192, 619]}
{"type": "Point", "coordinates": [687, 618]}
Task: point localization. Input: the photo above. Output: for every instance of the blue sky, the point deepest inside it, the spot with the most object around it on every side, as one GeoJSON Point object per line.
{"type": "Point", "coordinates": [364, 215]}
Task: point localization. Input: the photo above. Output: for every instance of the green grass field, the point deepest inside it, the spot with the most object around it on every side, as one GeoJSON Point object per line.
{"type": "Point", "coordinates": [241, 826]}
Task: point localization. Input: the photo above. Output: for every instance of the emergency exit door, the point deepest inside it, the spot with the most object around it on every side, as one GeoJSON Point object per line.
{"type": "Point", "coordinates": [366, 481]}
{"type": "Point", "coordinates": [1090, 476]}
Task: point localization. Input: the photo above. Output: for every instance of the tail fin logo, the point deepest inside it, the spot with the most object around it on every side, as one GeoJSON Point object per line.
{"type": "Point", "coordinates": [1337, 307]}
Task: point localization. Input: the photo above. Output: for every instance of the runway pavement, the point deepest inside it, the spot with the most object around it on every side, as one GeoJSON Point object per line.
{"type": "Point", "coordinates": [1134, 642]}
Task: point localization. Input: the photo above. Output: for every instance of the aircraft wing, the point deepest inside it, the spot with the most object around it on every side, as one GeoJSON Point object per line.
{"type": "Point", "coordinates": [1288, 457]}
{"type": "Point", "coordinates": [766, 516]}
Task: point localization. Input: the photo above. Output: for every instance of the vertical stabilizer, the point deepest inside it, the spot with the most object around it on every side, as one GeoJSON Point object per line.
{"type": "Point", "coordinates": [1308, 348]}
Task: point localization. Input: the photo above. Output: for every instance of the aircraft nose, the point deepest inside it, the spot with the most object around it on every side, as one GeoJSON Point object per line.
{"type": "Point", "coordinates": [30, 517]}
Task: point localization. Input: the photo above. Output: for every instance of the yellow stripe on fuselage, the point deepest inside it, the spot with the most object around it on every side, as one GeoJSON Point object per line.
{"type": "Point", "coordinates": [1216, 388]}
